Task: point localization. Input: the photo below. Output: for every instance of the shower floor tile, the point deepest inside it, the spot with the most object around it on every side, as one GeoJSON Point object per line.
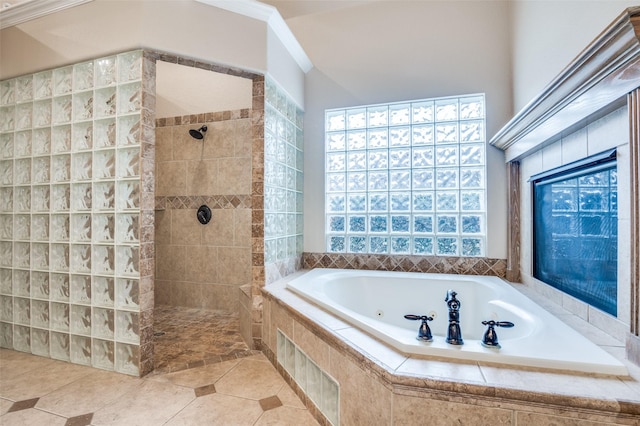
{"type": "Point", "coordinates": [190, 337]}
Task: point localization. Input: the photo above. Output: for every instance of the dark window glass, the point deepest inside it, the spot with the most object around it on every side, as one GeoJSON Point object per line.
{"type": "Point", "coordinates": [575, 234]}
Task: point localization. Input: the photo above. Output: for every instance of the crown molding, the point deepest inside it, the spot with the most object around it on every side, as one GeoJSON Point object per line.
{"type": "Point", "coordinates": [269, 14]}
{"type": "Point", "coordinates": [33, 9]}
{"type": "Point", "coordinates": [603, 74]}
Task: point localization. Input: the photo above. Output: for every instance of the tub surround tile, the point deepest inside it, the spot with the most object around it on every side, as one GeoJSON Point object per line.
{"type": "Point", "coordinates": [557, 388]}
{"type": "Point", "coordinates": [575, 306]}
{"type": "Point", "coordinates": [536, 419]}
{"type": "Point", "coordinates": [374, 349]}
{"type": "Point", "coordinates": [614, 327]}
{"type": "Point", "coordinates": [429, 368]}
{"type": "Point", "coordinates": [309, 343]}
{"type": "Point", "coordinates": [552, 156]}
{"type": "Point", "coordinates": [594, 334]}
{"type": "Point", "coordinates": [364, 400]}
{"type": "Point", "coordinates": [409, 410]}
{"type": "Point", "coordinates": [428, 264]}
{"type": "Point", "coordinates": [494, 386]}
{"type": "Point", "coordinates": [574, 146]}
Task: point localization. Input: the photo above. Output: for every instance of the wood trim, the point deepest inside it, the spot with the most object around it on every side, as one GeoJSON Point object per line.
{"type": "Point", "coordinates": [600, 76]}
{"type": "Point", "coordinates": [513, 234]}
{"type": "Point", "coordinates": [634, 184]}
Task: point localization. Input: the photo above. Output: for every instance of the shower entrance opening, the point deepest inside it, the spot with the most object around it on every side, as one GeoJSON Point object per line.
{"type": "Point", "coordinates": [575, 225]}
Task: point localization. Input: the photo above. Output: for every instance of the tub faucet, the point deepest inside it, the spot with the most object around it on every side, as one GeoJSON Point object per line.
{"type": "Point", "coordinates": [424, 332]}
{"type": "Point", "coordinates": [454, 334]}
{"type": "Point", "coordinates": [490, 338]}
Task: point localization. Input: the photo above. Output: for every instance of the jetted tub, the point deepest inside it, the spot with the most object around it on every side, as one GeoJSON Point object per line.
{"type": "Point", "coordinates": [376, 302]}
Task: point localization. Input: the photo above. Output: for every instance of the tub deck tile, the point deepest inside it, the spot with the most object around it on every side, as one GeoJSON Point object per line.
{"type": "Point", "coordinates": [373, 348]}
{"type": "Point", "coordinates": [569, 396]}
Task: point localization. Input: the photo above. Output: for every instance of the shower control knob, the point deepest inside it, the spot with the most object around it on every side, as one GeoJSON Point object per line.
{"type": "Point", "coordinates": [204, 214]}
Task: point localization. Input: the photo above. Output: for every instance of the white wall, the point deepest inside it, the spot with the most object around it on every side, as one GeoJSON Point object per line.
{"type": "Point", "coordinates": [400, 50]}
{"type": "Point", "coordinates": [102, 27]}
{"type": "Point", "coordinates": [283, 69]}
{"type": "Point", "coordinates": [548, 35]}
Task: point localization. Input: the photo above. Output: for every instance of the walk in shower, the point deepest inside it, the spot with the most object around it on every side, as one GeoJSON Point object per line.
{"type": "Point", "coordinates": [203, 158]}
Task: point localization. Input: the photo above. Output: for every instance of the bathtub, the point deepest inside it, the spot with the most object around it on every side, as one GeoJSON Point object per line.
{"type": "Point", "coordinates": [376, 302]}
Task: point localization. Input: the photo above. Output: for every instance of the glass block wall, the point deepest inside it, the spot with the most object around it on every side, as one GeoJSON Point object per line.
{"type": "Point", "coordinates": [283, 183]}
{"type": "Point", "coordinates": [407, 178]}
{"type": "Point", "coordinates": [72, 213]}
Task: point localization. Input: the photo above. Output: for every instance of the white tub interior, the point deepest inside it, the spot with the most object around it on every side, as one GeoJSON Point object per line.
{"type": "Point", "coordinates": [376, 302]}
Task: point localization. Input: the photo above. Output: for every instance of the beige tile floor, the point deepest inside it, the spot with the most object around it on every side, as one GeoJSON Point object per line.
{"type": "Point", "coordinates": [247, 391]}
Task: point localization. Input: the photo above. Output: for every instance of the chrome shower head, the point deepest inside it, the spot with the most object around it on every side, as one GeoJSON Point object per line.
{"type": "Point", "coordinates": [199, 133]}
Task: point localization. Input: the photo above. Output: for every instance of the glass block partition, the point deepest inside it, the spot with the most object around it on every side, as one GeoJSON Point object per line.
{"type": "Point", "coordinates": [71, 213]}
{"type": "Point", "coordinates": [283, 180]}
{"type": "Point", "coordinates": [407, 178]}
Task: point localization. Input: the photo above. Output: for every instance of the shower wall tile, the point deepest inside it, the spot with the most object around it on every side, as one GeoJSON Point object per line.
{"type": "Point", "coordinates": [74, 181]}
{"type": "Point", "coordinates": [202, 266]}
{"type": "Point", "coordinates": [172, 178]}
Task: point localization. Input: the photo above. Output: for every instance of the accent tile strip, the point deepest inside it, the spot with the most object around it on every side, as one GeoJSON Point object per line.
{"type": "Point", "coordinates": [193, 202]}
{"type": "Point", "coordinates": [429, 264]}
{"type": "Point", "coordinates": [205, 117]}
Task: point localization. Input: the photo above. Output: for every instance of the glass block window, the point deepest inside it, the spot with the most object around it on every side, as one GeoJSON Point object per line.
{"type": "Point", "coordinates": [576, 232]}
{"type": "Point", "coordinates": [407, 177]}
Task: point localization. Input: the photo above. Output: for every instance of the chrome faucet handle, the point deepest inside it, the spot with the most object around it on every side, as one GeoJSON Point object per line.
{"type": "Point", "coordinates": [490, 338]}
{"type": "Point", "coordinates": [424, 332]}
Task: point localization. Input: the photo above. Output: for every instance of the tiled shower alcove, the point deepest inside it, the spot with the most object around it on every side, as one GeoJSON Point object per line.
{"type": "Point", "coordinates": [73, 220]}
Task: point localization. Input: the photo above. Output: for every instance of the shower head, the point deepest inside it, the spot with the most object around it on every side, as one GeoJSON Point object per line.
{"type": "Point", "coordinates": [199, 133]}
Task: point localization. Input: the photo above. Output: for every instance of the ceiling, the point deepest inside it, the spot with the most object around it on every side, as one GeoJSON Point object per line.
{"type": "Point", "coordinates": [183, 90]}
{"type": "Point", "coordinates": [291, 9]}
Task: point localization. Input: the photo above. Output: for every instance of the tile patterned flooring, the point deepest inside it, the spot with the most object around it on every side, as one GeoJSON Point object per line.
{"type": "Point", "coordinates": [189, 337]}
{"type": "Point", "coordinates": [197, 384]}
